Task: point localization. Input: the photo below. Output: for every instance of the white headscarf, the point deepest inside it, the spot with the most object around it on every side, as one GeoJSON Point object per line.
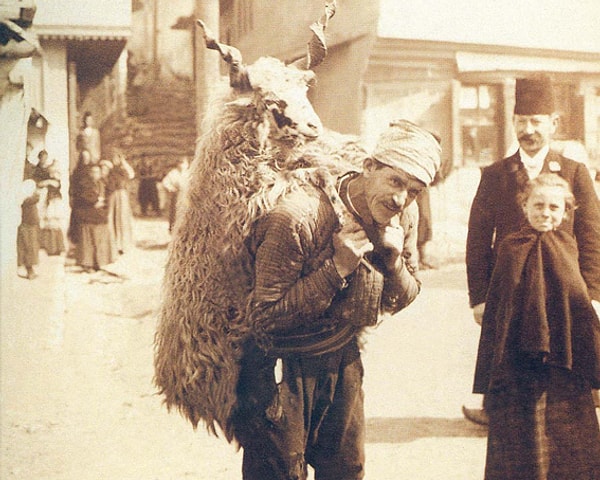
{"type": "Point", "coordinates": [410, 148]}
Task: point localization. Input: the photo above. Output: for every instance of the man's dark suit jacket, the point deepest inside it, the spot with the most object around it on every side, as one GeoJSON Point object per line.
{"type": "Point", "coordinates": [496, 211]}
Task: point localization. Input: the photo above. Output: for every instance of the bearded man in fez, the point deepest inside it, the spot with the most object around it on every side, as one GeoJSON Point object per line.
{"type": "Point", "coordinates": [496, 211]}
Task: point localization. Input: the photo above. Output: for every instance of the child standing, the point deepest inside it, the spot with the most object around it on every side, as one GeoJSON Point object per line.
{"type": "Point", "coordinates": [28, 233]}
{"type": "Point", "coordinates": [539, 351]}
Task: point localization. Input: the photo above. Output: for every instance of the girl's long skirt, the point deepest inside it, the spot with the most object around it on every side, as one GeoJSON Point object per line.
{"type": "Point", "coordinates": [542, 426]}
{"type": "Point", "coordinates": [28, 245]}
{"type": "Point", "coordinates": [120, 220]}
{"type": "Point", "coordinates": [95, 248]}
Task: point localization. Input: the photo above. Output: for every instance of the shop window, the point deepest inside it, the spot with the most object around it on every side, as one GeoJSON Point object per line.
{"type": "Point", "coordinates": [569, 107]}
{"type": "Point", "coordinates": [480, 127]}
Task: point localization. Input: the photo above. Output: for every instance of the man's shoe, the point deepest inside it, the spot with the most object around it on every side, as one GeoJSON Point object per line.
{"type": "Point", "coordinates": [476, 415]}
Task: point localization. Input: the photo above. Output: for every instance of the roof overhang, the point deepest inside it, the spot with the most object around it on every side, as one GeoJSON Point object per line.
{"type": "Point", "coordinates": [494, 62]}
{"type": "Point", "coordinates": [93, 48]}
{"type": "Point", "coordinates": [86, 32]}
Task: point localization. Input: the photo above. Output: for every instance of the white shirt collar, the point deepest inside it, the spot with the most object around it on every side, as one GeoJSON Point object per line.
{"type": "Point", "coordinates": [537, 160]}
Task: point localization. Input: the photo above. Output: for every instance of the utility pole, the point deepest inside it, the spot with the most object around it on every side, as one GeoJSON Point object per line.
{"type": "Point", "coordinates": [206, 67]}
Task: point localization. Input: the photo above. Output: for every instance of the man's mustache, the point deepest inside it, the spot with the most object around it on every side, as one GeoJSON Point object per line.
{"type": "Point", "coordinates": [527, 138]}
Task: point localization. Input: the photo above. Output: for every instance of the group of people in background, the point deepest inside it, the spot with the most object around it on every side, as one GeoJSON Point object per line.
{"type": "Point", "coordinates": [100, 227]}
{"type": "Point", "coordinates": [101, 224]}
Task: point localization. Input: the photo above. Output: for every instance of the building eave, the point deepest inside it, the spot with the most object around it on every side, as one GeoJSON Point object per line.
{"type": "Point", "coordinates": [82, 32]}
{"type": "Point", "coordinates": [392, 59]}
{"type": "Point", "coordinates": [387, 46]}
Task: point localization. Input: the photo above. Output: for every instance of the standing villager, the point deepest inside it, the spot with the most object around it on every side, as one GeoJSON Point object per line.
{"type": "Point", "coordinates": [120, 215]}
{"type": "Point", "coordinates": [89, 138]}
{"type": "Point", "coordinates": [496, 211]}
{"type": "Point", "coordinates": [51, 233]}
{"type": "Point", "coordinates": [175, 183]}
{"type": "Point", "coordinates": [28, 233]}
{"type": "Point", "coordinates": [425, 230]}
{"type": "Point", "coordinates": [147, 190]}
{"type": "Point", "coordinates": [539, 351]}
{"type": "Point", "coordinates": [317, 286]}
{"type": "Point", "coordinates": [79, 174]}
{"type": "Point", "coordinates": [94, 249]}
{"type": "Point", "coordinates": [41, 176]}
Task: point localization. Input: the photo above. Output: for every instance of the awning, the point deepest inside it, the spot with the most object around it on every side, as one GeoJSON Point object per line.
{"type": "Point", "coordinates": [82, 32]}
{"type": "Point", "coordinates": [488, 62]}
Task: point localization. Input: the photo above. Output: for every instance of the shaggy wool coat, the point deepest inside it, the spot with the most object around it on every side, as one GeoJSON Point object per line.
{"type": "Point", "coordinates": [495, 212]}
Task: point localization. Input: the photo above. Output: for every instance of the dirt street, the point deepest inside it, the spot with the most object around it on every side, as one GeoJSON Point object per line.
{"type": "Point", "coordinates": [77, 400]}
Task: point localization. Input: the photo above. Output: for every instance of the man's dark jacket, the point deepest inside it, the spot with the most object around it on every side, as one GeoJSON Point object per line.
{"type": "Point", "coordinates": [496, 212]}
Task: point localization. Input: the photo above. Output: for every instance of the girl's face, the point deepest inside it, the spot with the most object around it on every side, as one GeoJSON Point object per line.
{"type": "Point", "coordinates": [545, 207]}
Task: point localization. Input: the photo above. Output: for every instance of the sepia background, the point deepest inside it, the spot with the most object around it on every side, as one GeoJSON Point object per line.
{"type": "Point", "coordinates": [76, 393]}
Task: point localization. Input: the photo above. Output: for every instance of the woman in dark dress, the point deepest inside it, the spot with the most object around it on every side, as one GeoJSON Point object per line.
{"type": "Point", "coordinates": [95, 248]}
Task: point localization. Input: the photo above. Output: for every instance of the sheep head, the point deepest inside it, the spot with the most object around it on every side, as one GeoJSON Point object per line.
{"type": "Point", "coordinates": [278, 91]}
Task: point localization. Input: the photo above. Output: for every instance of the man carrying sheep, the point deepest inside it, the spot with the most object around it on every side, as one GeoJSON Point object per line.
{"type": "Point", "coordinates": [319, 280]}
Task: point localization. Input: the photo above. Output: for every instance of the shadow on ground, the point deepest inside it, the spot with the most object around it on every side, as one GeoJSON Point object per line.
{"type": "Point", "coordinates": [403, 430]}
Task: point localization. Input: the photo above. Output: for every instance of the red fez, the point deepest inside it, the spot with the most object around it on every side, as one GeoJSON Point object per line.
{"type": "Point", "coordinates": [534, 96]}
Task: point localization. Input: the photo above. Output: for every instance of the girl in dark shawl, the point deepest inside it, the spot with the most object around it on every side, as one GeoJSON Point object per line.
{"type": "Point", "coordinates": [539, 351]}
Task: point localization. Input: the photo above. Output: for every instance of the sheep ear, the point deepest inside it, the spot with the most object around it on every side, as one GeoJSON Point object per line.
{"type": "Point", "coordinates": [317, 47]}
{"type": "Point", "coordinates": [238, 76]}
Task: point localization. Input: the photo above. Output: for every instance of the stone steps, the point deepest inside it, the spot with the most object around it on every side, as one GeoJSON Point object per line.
{"type": "Point", "coordinates": [159, 124]}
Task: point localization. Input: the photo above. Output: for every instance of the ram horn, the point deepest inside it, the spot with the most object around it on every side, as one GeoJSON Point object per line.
{"type": "Point", "coordinates": [317, 47]}
{"type": "Point", "coordinates": [238, 76]}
